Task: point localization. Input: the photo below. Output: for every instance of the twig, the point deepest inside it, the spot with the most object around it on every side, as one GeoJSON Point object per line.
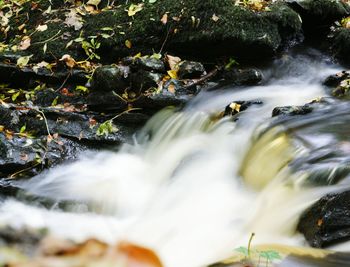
{"type": "Point", "coordinates": [202, 79]}
{"type": "Point", "coordinates": [124, 112]}
{"type": "Point", "coordinates": [45, 120]}
{"type": "Point", "coordinates": [26, 169]}
{"type": "Point", "coordinates": [50, 39]}
{"type": "Point", "coordinates": [65, 81]}
{"type": "Point", "coordinates": [166, 39]}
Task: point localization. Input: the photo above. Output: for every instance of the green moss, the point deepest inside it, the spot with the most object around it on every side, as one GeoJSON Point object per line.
{"type": "Point", "coordinates": [190, 28]}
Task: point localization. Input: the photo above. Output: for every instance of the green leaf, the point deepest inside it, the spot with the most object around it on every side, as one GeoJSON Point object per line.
{"type": "Point", "coordinates": [23, 129]}
{"type": "Point", "coordinates": [106, 128]}
{"type": "Point", "coordinates": [243, 250]}
{"type": "Point", "coordinates": [54, 102]}
{"type": "Point", "coordinates": [270, 255]}
{"type": "Point", "coordinates": [15, 96]}
{"type": "Point", "coordinates": [82, 88]}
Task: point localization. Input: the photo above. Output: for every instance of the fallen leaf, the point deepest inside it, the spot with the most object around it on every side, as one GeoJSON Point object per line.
{"type": "Point", "coordinates": [215, 18]}
{"type": "Point", "coordinates": [70, 62]}
{"type": "Point", "coordinates": [73, 19]}
{"type": "Point", "coordinates": [128, 44]}
{"type": "Point", "coordinates": [172, 74]}
{"type": "Point", "coordinates": [173, 62]}
{"type": "Point", "coordinates": [164, 19]}
{"type": "Point", "coordinates": [23, 61]}
{"type": "Point", "coordinates": [41, 28]}
{"type": "Point", "coordinates": [25, 43]}
{"type": "Point", "coordinates": [133, 9]}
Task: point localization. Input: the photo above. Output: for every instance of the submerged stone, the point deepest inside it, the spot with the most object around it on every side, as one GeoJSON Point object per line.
{"type": "Point", "coordinates": [292, 110]}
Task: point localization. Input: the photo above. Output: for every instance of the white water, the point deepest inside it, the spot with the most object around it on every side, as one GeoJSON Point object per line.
{"type": "Point", "coordinates": [180, 193]}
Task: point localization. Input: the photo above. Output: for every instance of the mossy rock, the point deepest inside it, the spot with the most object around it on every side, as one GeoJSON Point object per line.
{"type": "Point", "coordinates": [340, 44]}
{"type": "Point", "coordinates": [190, 30]}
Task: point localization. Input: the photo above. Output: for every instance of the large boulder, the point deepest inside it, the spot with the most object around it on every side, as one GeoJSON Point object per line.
{"type": "Point", "coordinates": [340, 44]}
{"type": "Point", "coordinates": [202, 28]}
{"type": "Point", "coordinates": [319, 15]}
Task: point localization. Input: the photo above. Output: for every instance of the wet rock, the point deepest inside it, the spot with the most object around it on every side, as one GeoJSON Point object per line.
{"type": "Point", "coordinates": [21, 77]}
{"type": "Point", "coordinates": [16, 153]}
{"type": "Point", "coordinates": [25, 240]}
{"type": "Point", "coordinates": [319, 15]}
{"type": "Point", "coordinates": [178, 88]}
{"type": "Point", "coordinates": [26, 156]}
{"type": "Point", "coordinates": [73, 125]}
{"type": "Point", "coordinates": [336, 79]}
{"type": "Point", "coordinates": [110, 78]}
{"type": "Point", "coordinates": [106, 102]}
{"type": "Point", "coordinates": [156, 102]}
{"type": "Point", "coordinates": [148, 64]}
{"type": "Point", "coordinates": [327, 221]}
{"type": "Point", "coordinates": [340, 84]}
{"type": "Point", "coordinates": [190, 70]}
{"type": "Point", "coordinates": [7, 189]}
{"type": "Point", "coordinates": [238, 106]}
{"type": "Point", "coordinates": [143, 80]}
{"type": "Point", "coordinates": [242, 77]}
{"type": "Point", "coordinates": [292, 110]}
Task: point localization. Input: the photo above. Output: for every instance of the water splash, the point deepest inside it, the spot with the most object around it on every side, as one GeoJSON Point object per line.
{"type": "Point", "coordinates": [178, 189]}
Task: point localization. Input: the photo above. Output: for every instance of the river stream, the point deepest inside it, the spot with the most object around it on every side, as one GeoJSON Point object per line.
{"type": "Point", "coordinates": [178, 188]}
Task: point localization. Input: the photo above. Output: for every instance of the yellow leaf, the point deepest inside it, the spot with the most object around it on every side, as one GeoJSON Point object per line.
{"type": "Point", "coordinates": [133, 9]}
{"type": "Point", "coordinates": [23, 61]}
{"type": "Point", "coordinates": [128, 44]}
{"type": "Point", "coordinates": [172, 74]}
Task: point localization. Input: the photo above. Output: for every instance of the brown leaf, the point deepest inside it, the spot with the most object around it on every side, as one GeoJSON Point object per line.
{"type": "Point", "coordinates": [138, 256]}
{"type": "Point", "coordinates": [70, 62]}
{"type": "Point", "coordinates": [173, 62]}
{"type": "Point", "coordinates": [25, 43]}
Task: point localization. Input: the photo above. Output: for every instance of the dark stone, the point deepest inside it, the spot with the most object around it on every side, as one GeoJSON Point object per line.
{"type": "Point", "coordinates": [149, 64]}
{"type": "Point", "coordinates": [21, 77]}
{"type": "Point", "coordinates": [143, 80]}
{"type": "Point", "coordinates": [238, 106]}
{"type": "Point", "coordinates": [292, 110]}
{"type": "Point", "coordinates": [105, 101]}
{"type": "Point", "coordinates": [190, 70]}
{"type": "Point", "coordinates": [319, 15]}
{"type": "Point", "coordinates": [110, 78]}
{"type": "Point", "coordinates": [336, 79]}
{"type": "Point", "coordinates": [178, 88]}
{"type": "Point", "coordinates": [327, 221]}
{"type": "Point", "coordinates": [340, 84]}
{"type": "Point", "coordinates": [156, 102]}
{"type": "Point", "coordinates": [73, 125]}
{"type": "Point", "coordinates": [238, 31]}
{"type": "Point", "coordinates": [241, 77]}
{"type": "Point", "coordinates": [340, 44]}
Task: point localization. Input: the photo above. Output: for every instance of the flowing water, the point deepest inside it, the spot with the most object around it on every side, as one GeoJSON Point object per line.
{"type": "Point", "coordinates": [178, 188]}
